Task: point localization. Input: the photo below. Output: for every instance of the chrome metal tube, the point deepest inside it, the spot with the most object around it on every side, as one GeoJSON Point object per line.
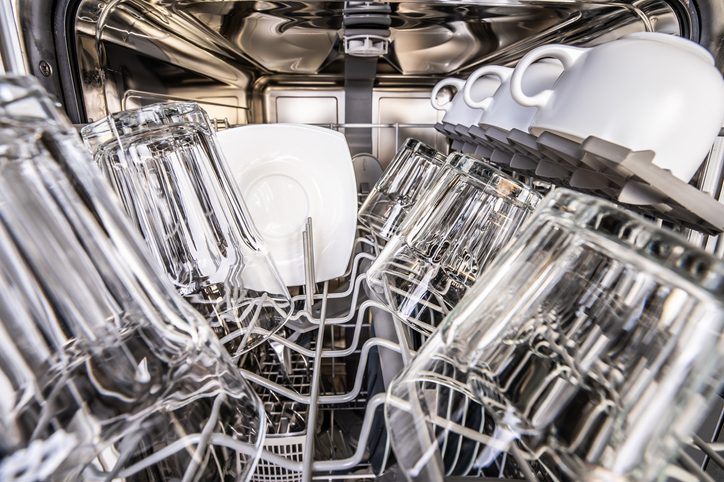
{"type": "Point", "coordinates": [308, 241]}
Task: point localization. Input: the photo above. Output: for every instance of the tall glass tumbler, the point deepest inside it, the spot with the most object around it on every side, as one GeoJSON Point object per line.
{"type": "Point", "coordinates": [164, 163]}
{"type": "Point", "coordinates": [105, 371]}
{"type": "Point", "coordinates": [594, 344]}
{"type": "Point", "coordinates": [410, 174]}
{"type": "Point", "coordinates": [456, 230]}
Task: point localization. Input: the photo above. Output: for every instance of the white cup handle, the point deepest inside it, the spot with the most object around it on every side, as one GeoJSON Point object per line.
{"type": "Point", "coordinates": [502, 73]}
{"type": "Point", "coordinates": [450, 81]}
{"type": "Point", "coordinates": [565, 53]}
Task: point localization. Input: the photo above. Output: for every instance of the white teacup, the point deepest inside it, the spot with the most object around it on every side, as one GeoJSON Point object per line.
{"type": "Point", "coordinates": [644, 91]}
{"type": "Point", "coordinates": [501, 110]}
{"type": "Point", "coordinates": [457, 111]}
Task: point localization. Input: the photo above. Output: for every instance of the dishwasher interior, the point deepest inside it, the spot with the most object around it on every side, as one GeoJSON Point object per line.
{"type": "Point", "coordinates": [322, 378]}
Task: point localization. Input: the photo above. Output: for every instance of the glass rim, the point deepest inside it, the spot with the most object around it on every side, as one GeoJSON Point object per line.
{"type": "Point", "coordinates": [659, 245]}
{"type": "Point", "coordinates": [28, 87]}
{"type": "Point", "coordinates": [17, 141]}
{"type": "Point", "coordinates": [141, 119]}
{"type": "Point", "coordinates": [496, 181]}
{"type": "Point", "coordinates": [16, 80]}
{"type": "Point", "coordinates": [180, 105]}
{"type": "Point", "coordinates": [417, 147]}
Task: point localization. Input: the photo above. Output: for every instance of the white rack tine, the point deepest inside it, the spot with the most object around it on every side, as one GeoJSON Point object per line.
{"type": "Point", "coordinates": [361, 313]}
{"type": "Point", "coordinates": [372, 342]}
{"type": "Point", "coordinates": [710, 450]}
{"type": "Point", "coordinates": [356, 458]}
{"type": "Point", "coordinates": [194, 465]}
{"type": "Point", "coordinates": [690, 465]}
{"type": "Point", "coordinates": [326, 399]}
{"type": "Point", "coordinates": [352, 289]}
{"type": "Point", "coordinates": [452, 426]}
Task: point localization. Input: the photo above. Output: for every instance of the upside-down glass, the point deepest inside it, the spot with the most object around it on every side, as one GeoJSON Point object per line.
{"type": "Point", "coordinates": [105, 372]}
{"type": "Point", "coordinates": [164, 163]}
{"type": "Point", "coordinates": [454, 232]}
{"type": "Point", "coordinates": [594, 344]}
{"type": "Point", "coordinates": [409, 175]}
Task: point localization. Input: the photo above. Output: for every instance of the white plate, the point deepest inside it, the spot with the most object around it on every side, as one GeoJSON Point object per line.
{"type": "Point", "coordinates": [286, 173]}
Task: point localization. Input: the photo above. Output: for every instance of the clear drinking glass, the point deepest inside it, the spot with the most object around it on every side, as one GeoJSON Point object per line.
{"type": "Point", "coordinates": [409, 175]}
{"type": "Point", "coordinates": [106, 373]}
{"type": "Point", "coordinates": [455, 231]}
{"type": "Point", "coordinates": [164, 163]}
{"type": "Point", "coordinates": [594, 343]}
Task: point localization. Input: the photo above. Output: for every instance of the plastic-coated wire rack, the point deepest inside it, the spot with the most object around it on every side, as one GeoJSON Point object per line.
{"type": "Point", "coordinates": [304, 376]}
{"type": "Point", "coordinates": [340, 360]}
{"type": "Point", "coordinates": [340, 315]}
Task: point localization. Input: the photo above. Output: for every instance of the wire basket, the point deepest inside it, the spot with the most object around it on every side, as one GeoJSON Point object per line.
{"type": "Point", "coordinates": [288, 446]}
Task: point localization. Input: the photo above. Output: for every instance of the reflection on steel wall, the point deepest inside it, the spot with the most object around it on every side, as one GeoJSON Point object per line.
{"type": "Point", "coordinates": [222, 49]}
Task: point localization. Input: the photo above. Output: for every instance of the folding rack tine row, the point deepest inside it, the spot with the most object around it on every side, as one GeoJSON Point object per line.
{"type": "Point", "coordinates": [595, 166]}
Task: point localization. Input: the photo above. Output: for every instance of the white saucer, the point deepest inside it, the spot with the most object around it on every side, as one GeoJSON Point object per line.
{"type": "Point", "coordinates": [286, 173]}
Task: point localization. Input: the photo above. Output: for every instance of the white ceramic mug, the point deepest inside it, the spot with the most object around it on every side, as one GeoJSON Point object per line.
{"type": "Point", "coordinates": [501, 110]}
{"type": "Point", "coordinates": [644, 91]}
{"type": "Point", "coordinates": [457, 111]}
